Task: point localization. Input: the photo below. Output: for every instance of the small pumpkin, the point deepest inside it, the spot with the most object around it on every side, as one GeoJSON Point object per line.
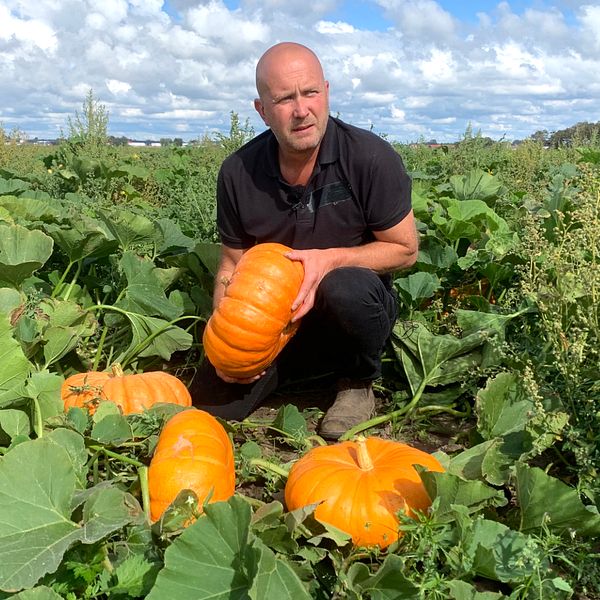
{"type": "Point", "coordinates": [133, 393]}
{"type": "Point", "coordinates": [361, 485]}
{"type": "Point", "coordinates": [252, 322]}
{"type": "Point", "coordinates": [193, 452]}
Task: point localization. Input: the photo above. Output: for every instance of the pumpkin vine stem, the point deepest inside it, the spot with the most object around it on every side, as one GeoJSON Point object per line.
{"type": "Point", "coordinates": [117, 456]}
{"type": "Point", "coordinates": [269, 466]}
{"type": "Point", "coordinates": [37, 411]}
{"type": "Point", "coordinates": [58, 287]}
{"type": "Point", "coordinates": [130, 356]}
{"type": "Point", "coordinates": [407, 409]}
{"type": "Point", "coordinates": [143, 476]}
{"type": "Point", "coordinates": [306, 442]}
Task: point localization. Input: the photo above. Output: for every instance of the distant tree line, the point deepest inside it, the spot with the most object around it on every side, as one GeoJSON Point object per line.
{"type": "Point", "coordinates": [580, 134]}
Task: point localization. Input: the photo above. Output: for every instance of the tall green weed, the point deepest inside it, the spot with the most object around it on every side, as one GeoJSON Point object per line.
{"type": "Point", "coordinates": [560, 277]}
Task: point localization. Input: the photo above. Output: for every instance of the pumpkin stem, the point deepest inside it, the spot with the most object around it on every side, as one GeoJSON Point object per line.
{"type": "Point", "coordinates": [362, 454]}
{"type": "Point", "coordinates": [117, 370]}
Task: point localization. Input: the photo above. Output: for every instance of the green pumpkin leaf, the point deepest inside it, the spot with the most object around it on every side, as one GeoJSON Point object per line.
{"type": "Point", "coordinates": [565, 511]}
{"type": "Point", "coordinates": [217, 557]}
{"type": "Point", "coordinates": [22, 252]}
{"type": "Point", "coordinates": [145, 291]}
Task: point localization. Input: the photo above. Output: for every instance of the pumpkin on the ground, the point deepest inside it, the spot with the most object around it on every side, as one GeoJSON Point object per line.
{"type": "Point", "coordinates": [252, 322]}
{"type": "Point", "coordinates": [361, 486]}
{"type": "Point", "coordinates": [133, 392]}
{"type": "Point", "coordinates": [193, 452]}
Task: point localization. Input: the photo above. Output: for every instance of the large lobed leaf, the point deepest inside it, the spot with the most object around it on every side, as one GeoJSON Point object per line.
{"type": "Point", "coordinates": [38, 483]}
{"type": "Point", "coordinates": [22, 252]}
{"type": "Point", "coordinates": [14, 365]}
{"type": "Point", "coordinates": [219, 558]}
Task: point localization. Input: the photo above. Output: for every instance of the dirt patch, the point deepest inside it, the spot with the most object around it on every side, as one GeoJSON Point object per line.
{"type": "Point", "coordinates": [439, 432]}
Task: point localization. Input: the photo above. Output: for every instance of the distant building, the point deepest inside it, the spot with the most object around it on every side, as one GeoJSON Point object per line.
{"type": "Point", "coordinates": [142, 143]}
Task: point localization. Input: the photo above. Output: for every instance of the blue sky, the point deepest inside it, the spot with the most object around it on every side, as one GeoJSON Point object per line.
{"type": "Point", "coordinates": [409, 69]}
{"type": "Point", "coordinates": [370, 16]}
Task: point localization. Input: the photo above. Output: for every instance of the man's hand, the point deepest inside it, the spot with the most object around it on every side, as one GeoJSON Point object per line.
{"type": "Point", "coordinates": [393, 249]}
{"type": "Point", "coordinates": [248, 380]}
{"type": "Point", "coordinates": [316, 263]}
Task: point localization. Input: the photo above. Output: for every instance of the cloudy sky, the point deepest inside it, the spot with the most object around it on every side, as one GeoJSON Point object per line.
{"type": "Point", "coordinates": [410, 69]}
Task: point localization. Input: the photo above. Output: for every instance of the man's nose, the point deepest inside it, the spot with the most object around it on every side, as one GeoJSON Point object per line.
{"type": "Point", "coordinates": [300, 107]}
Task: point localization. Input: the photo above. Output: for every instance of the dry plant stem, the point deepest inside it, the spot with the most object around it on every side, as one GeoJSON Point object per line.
{"type": "Point", "coordinates": [362, 454]}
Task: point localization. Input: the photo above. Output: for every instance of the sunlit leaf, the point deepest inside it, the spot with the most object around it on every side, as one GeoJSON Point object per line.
{"type": "Point", "coordinates": [477, 185]}
{"type": "Point", "coordinates": [22, 252]}
{"type": "Point", "coordinates": [565, 511]}
{"type": "Point", "coordinates": [145, 292]}
{"type": "Point", "coordinates": [218, 558]}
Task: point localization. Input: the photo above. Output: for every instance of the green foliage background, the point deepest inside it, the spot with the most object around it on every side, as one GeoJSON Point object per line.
{"type": "Point", "coordinates": [107, 253]}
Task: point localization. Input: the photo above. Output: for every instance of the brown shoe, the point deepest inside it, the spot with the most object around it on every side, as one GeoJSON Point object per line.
{"type": "Point", "coordinates": [353, 404]}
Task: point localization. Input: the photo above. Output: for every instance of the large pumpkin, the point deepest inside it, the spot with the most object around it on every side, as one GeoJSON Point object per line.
{"type": "Point", "coordinates": [193, 452]}
{"type": "Point", "coordinates": [133, 393]}
{"type": "Point", "coordinates": [252, 322]}
{"type": "Point", "coordinates": [361, 486]}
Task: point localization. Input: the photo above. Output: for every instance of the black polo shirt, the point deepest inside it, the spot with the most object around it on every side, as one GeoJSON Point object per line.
{"type": "Point", "coordinates": [359, 185]}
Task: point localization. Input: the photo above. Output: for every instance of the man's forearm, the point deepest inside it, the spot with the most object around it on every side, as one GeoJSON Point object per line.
{"type": "Point", "coordinates": [381, 257]}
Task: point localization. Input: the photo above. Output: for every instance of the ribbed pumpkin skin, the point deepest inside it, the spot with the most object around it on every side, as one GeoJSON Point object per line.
{"type": "Point", "coordinates": [133, 393]}
{"type": "Point", "coordinates": [252, 322]}
{"type": "Point", "coordinates": [193, 452]}
{"type": "Point", "coordinates": [361, 502]}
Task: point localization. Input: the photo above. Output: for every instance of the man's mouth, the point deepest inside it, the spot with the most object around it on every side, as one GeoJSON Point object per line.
{"type": "Point", "coordinates": [301, 128]}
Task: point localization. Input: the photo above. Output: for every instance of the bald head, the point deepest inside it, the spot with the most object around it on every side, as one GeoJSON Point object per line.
{"type": "Point", "coordinates": [290, 54]}
{"type": "Point", "coordinates": [293, 99]}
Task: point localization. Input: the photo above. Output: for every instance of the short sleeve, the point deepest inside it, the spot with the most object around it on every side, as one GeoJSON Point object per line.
{"type": "Point", "coordinates": [387, 193]}
{"type": "Point", "coordinates": [229, 225]}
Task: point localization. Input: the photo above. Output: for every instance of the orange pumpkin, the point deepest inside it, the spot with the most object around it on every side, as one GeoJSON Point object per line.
{"type": "Point", "coordinates": [252, 322]}
{"type": "Point", "coordinates": [193, 452]}
{"type": "Point", "coordinates": [133, 393]}
{"type": "Point", "coordinates": [361, 486]}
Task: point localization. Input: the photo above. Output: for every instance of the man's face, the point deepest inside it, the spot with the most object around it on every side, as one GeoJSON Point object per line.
{"type": "Point", "coordinates": [294, 103]}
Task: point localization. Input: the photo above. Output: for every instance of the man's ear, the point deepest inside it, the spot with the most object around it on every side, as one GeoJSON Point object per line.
{"type": "Point", "coordinates": [260, 109]}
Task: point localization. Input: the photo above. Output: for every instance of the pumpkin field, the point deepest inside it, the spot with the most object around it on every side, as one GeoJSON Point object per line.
{"type": "Point", "coordinates": [491, 388]}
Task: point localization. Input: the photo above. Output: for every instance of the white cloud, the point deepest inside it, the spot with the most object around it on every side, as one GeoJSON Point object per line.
{"type": "Point", "coordinates": [327, 27]}
{"type": "Point", "coordinates": [397, 113]}
{"type": "Point", "coordinates": [117, 87]}
{"type": "Point", "coordinates": [590, 20]}
{"type": "Point", "coordinates": [378, 99]}
{"type": "Point", "coordinates": [29, 32]}
{"type": "Point", "coordinates": [114, 11]}
{"type": "Point", "coordinates": [425, 20]}
{"type": "Point", "coordinates": [215, 21]}
{"type": "Point", "coordinates": [424, 73]}
{"type": "Point", "coordinates": [438, 67]}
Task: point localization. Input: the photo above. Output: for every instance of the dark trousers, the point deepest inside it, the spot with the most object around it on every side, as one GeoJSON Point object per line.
{"type": "Point", "coordinates": [343, 336]}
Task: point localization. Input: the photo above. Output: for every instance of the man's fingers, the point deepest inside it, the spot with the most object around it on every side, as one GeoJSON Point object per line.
{"type": "Point", "coordinates": [228, 379]}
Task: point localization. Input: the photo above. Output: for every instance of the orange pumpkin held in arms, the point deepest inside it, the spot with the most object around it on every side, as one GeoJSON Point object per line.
{"type": "Point", "coordinates": [252, 322]}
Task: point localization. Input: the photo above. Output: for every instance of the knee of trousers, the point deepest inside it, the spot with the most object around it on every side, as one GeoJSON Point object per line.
{"type": "Point", "coordinates": [351, 291]}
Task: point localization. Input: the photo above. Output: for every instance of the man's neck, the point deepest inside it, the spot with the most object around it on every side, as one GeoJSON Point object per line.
{"type": "Point", "coordinates": [296, 169]}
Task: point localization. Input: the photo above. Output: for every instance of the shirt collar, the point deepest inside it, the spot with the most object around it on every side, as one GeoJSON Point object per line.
{"type": "Point", "coordinates": [329, 151]}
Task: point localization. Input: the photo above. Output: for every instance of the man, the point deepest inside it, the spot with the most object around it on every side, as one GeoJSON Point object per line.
{"type": "Point", "coordinates": [340, 197]}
